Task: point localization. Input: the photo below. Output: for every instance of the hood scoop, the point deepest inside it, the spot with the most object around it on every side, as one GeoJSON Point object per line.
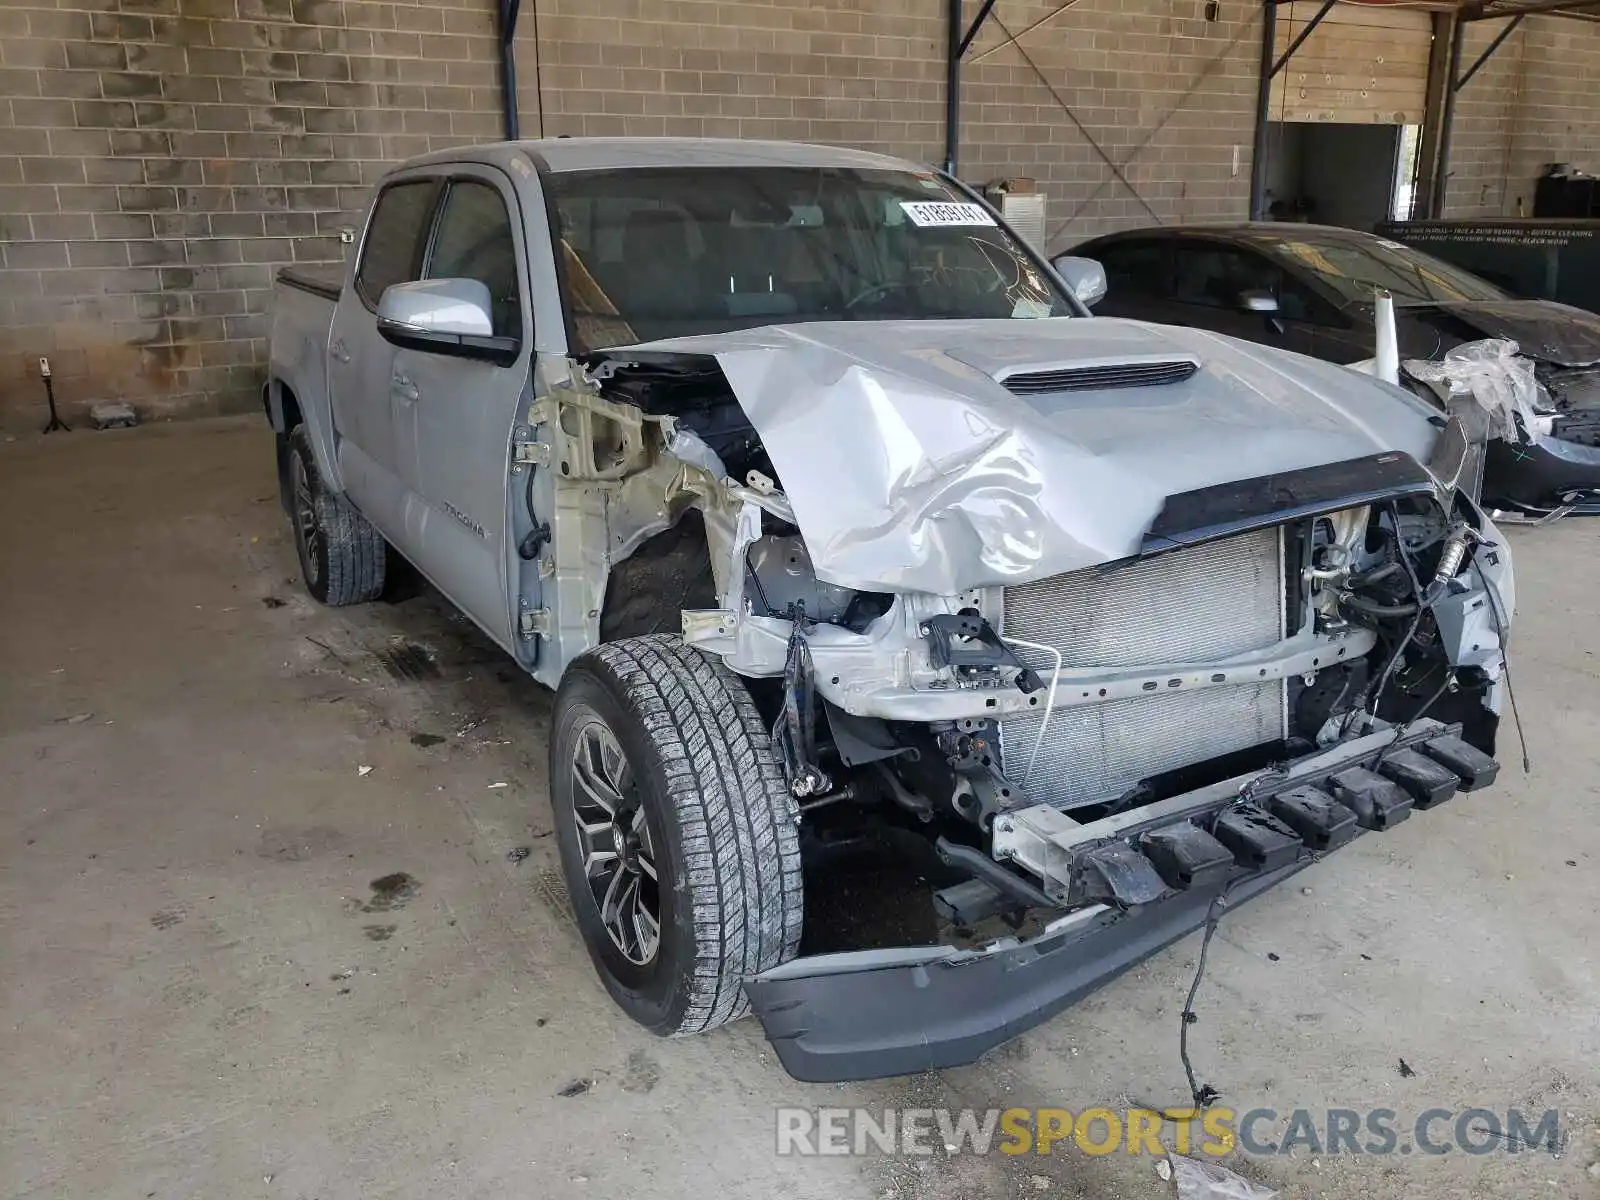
{"type": "Point", "coordinates": [1082, 377]}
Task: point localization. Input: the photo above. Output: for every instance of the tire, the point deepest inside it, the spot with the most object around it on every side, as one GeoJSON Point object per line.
{"type": "Point", "coordinates": [715, 843]}
{"type": "Point", "coordinates": [342, 557]}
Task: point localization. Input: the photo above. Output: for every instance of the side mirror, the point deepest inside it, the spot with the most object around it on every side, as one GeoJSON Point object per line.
{"type": "Point", "coordinates": [438, 306]}
{"type": "Point", "coordinates": [1261, 302]}
{"type": "Point", "coordinates": [1085, 276]}
{"type": "Point", "coordinates": [444, 316]}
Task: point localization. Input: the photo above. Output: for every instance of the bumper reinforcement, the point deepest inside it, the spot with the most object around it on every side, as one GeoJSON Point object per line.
{"type": "Point", "coordinates": [870, 1013]}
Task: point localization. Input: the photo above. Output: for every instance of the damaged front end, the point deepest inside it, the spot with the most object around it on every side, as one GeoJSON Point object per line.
{"type": "Point", "coordinates": [1539, 422]}
{"type": "Point", "coordinates": [1092, 789]}
{"type": "Point", "coordinates": [1106, 730]}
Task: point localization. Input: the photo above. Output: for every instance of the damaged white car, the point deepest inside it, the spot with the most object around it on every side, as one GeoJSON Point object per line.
{"type": "Point", "coordinates": [825, 505]}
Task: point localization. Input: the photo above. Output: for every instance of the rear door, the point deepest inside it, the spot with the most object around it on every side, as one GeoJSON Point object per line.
{"type": "Point", "coordinates": [453, 416]}
{"type": "Point", "coordinates": [360, 360]}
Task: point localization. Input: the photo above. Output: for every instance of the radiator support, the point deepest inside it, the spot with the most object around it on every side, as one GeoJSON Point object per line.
{"type": "Point", "coordinates": [1196, 605]}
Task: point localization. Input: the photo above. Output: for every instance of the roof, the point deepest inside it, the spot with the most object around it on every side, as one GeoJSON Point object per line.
{"type": "Point", "coordinates": [615, 153]}
{"type": "Point", "coordinates": [1243, 231]}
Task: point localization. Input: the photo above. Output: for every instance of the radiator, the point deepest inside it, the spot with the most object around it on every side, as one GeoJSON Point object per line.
{"type": "Point", "coordinates": [1193, 605]}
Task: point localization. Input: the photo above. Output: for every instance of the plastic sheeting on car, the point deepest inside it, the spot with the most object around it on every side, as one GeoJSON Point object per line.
{"type": "Point", "coordinates": [1494, 374]}
{"type": "Point", "coordinates": [1209, 1181]}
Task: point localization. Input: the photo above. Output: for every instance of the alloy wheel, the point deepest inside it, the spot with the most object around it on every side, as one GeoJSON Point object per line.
{"type": "Point", "coordinates": [305, 518]}
{"type": "Point", "coordinates": [619, 860]}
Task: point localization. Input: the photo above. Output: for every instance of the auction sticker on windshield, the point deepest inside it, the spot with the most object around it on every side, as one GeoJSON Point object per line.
{"type": "Point", "coordinates": [943, 213]}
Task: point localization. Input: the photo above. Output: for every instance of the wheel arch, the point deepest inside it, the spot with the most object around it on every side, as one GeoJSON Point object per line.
{"type": "Point", "coordinates": [290, 398]}
{"type": "Point", "coordinates": [668, 571]}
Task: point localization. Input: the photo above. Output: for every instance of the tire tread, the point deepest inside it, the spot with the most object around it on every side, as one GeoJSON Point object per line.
{"type": "Point", "coordinates": [357, 553]}
{"type": "Point", "coordinates": [738, 831]}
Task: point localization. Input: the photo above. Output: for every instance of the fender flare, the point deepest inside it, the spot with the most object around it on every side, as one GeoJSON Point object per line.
{"type": "Point", "coordinates": [283, 404]}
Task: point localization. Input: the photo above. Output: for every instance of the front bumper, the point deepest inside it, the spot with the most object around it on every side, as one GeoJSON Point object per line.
{"type": "Point", "coordinates": [867, 1014]}
{"type": "Point", "coordinates": [1538, 473]}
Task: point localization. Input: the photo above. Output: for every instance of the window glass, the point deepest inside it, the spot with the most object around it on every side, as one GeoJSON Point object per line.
{"type": "Point", "coordinates": [1133, 268]}
{"type": "Point", "coordinates": [1216, 276]}
{"type": "Point", "coordinates": [654, 253]}
{"type": "Point", "coordinates": [474, 241]}
{"type": "Point", "coordinates": [1356, 267]}
{"type": "Point", "coordinates": [389, 255]}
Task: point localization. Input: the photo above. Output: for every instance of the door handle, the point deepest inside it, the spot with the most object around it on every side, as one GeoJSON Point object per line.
{"type": "Point", "coordinates": [339, 350]}
{"type": "Point", "coordinates": [402, 385]}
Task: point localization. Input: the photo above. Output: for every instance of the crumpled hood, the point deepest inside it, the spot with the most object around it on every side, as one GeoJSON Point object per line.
{"type": "Point", "coordinates": [911, 468]}
{"type": "Point", "coordinates": [1543, 329]}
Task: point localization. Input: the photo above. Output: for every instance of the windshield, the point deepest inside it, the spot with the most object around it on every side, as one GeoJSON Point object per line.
{"type": "Point", "coordinates": [1357, 267]}
{"type": "Point", "coordinates": [660, 253]}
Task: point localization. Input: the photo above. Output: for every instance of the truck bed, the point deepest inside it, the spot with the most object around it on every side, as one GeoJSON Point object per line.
{"type": "Point", "coordinates": [325, 280]}
{"type": "Point", "coordinates": [303, 304]}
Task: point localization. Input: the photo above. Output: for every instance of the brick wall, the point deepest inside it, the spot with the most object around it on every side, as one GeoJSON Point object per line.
{"type": "Point", "coordinates": [1480, 144]}
{"type": "Point", "coordinates": [867, 73]}
{"type": "Point", "coordinates": [159, 159]}
{"type": "Point", "coordinates": [1533, 103]}
{"type": "Point", "coordinates": [1166, 100]}
{"type": "Point", "coordinates": [1558, 119]}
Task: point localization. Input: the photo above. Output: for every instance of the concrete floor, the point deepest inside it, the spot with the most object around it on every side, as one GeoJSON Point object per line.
{"type": "Point", "coordinates": [203, 995]}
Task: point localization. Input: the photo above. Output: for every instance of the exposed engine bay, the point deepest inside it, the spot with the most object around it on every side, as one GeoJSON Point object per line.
{"type": "Point", "coordinates": [1575, 401]}
{"type": "Point", "coordinates": [1027, 741]}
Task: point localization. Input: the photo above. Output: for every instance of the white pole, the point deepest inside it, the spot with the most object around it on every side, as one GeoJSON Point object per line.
{"type": "Point", "coordinates": [1386, 362]}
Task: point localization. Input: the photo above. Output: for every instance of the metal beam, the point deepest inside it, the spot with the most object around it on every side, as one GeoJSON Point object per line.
{"type": "Point", "coordinates": [1488, 51]}
{"type": "Point", "coordinates": [1485, 12]}
{"type": "Point", "coordinates": [1311, 27]}
{"type": "Point", "coordinates": [952, 87]}
{"type": "Point", "coordinates": [1441, 168]}
{"type": "Point", "coordinates": [1428, 143]}
{"type": "Point", "coordinates": [977, 25]}
{"type": "Point", "coordinates": [1268, 70]}
{"type": "Point", "coordinates": [509, 11]}
{"type": "Point", "coordinates": [956, 44]}
{"type": "Point", "coordinates": [1258, 150]}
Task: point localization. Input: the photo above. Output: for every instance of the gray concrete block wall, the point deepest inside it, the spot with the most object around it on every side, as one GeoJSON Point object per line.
{"type": "Point", "coordinates": [1558, 111]}
{"type": "Point", "coordinates": [866, 74]}
{"type": "Point", "coordinates": [1480, 146]}
{"type": "Point", "coordinates": [159, 159]}
{"type": "Point", "coordinates": [1534, 102]}
{"type": "Point", "coordinates": [1167, 96]}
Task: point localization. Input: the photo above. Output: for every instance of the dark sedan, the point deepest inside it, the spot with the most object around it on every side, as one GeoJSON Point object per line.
{"type": "Point", "coordinates": [1310, 289]}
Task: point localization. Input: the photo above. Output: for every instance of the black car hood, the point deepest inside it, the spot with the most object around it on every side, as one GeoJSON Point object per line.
{"type": "Point", "coordinates": [1544, 330]}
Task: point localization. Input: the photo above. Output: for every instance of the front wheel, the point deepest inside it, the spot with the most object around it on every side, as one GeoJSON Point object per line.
{"type": "Point", "coordinates": [679, 847]}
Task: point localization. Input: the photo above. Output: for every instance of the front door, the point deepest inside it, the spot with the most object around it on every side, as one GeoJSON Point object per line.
{"type": "Point", "coordinates": [1210, 281]}
{"type": "Point", "coordinates": [1201, 283]}
{"type": "Point", "coordinates": [360, 361]}
{"type": "Point", "coordinates": [453, 416]}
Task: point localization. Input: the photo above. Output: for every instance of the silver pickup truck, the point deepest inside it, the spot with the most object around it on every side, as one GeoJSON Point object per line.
{"type": "Point", "coordinates": [828, 511]}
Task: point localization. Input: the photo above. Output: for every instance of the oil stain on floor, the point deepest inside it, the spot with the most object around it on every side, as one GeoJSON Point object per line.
{"type": "Point", "coordinates": [392, 892]}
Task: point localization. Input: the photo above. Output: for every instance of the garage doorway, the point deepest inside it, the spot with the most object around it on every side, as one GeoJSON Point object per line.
{"type": "Point", "coordinates": [1345, 112]}
{"type": "Point", "coordinates": [1338, 173]}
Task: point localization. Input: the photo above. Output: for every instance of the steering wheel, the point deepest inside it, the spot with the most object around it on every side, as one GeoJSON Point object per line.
{"type": "Point", "coordinates": [873, 290]}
